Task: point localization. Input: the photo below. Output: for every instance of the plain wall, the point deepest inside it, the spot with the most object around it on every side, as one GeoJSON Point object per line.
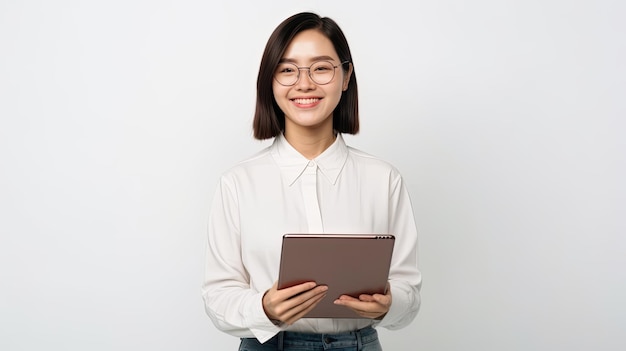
{"type": "Point", "coordinates": [506, 119]}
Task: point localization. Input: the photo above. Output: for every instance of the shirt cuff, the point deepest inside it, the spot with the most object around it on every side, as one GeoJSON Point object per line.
{"type": "Point", "coordinates": [400, 304]}
{"type": "Point", "coordinates": [260, 325]}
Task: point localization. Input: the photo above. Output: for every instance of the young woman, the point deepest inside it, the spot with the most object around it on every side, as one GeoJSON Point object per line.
{"type": "Point", "coordinates": [307, 181]}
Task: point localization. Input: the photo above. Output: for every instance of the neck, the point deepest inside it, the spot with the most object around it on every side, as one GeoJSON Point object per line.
{"type": "Point", "coordinates": [310, 145]}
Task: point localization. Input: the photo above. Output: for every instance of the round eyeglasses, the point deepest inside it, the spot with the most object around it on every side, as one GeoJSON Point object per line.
{"type": "Point", "coordinates": [320, 72]}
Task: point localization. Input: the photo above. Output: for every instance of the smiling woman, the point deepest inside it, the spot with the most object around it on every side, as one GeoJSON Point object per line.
{"type": "Point", "coordinates": [307, 181]}
{"type": "Point", "coordinates": [308, 103]}
{"type": "Point", "coordinates": [319, 39]}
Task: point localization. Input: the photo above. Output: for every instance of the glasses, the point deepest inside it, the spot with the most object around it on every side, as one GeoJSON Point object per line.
{"type": "Point", "coordinates": [320, 72]}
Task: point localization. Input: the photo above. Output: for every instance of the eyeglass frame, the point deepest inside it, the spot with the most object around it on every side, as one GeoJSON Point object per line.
{"type": "Point", "coordinates": [309, 69]}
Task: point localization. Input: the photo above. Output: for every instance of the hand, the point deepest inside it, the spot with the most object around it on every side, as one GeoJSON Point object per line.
{"type": "Point", "coordinates": [290, 304]}
{"type": "Point", "coordinates": [368, 306]}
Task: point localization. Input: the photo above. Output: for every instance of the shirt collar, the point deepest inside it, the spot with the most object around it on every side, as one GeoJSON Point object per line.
{"type": "Point", "coordinates": [292, 164]}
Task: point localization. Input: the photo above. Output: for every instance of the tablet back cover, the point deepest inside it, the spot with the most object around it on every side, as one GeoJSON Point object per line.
{"type": "Point", "coordinates": [349, 264]}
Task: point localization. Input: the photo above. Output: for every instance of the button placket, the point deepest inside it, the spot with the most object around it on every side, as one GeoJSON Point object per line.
{"type": "Point", "coordinates": [309, 193]}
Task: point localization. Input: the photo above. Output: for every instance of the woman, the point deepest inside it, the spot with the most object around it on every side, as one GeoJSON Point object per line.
{"type": "Point", "coordinates": [308, 180]}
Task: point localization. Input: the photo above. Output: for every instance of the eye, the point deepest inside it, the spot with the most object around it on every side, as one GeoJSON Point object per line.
{"type": "Point", "coordinates": [323, 67]}
{"type": "Point", "coordinates": [286, 69]}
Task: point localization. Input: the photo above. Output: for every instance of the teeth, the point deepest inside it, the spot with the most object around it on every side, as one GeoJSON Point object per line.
{"type": "Point", "coordinates": [305, 101]}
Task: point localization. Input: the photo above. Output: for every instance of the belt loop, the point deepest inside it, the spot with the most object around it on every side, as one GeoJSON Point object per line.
{"type": "Point", "coordinates": [359, 341]}
{"type": "Point", "coordinates": [280, 340]}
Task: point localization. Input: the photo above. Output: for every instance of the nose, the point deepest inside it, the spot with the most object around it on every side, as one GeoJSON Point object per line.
{"type": "Point", "coordinates": [304, 81]}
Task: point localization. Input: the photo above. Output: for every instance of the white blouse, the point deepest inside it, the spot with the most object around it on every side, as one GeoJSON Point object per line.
{"type": "Point", "coordinates": [279, 191]}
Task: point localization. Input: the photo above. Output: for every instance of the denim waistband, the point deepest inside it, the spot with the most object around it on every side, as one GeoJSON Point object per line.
{"type": "Point", "coordinates": [327, 340]}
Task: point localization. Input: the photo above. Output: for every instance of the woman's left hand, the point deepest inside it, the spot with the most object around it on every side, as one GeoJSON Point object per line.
{"type": "Point", "coordinates": [369, 306]}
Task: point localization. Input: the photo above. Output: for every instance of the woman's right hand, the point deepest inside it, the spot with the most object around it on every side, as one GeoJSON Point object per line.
{"type": "Point", "coordinates": [290, 304]}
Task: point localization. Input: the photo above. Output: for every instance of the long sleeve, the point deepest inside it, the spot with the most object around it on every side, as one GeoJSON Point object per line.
{"type": "Point", "coordinates": [404, 277]}
{"type": "Point", "coordinates": [231, 304]}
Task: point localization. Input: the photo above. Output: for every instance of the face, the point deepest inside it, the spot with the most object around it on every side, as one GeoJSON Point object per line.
{"type": "Point", "coordinates": [309, 106]}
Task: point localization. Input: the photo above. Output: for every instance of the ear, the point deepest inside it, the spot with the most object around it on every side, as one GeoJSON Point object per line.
{"type": "Point", "coordinates": [347, 76]}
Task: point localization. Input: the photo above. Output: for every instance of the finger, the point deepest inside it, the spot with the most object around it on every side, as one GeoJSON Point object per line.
{"type": "Point", "coordinates": [305, 308]}
{"type": "Point", "coordinates": [302, 301]}
{"type": "Point", "coordinates": [296, 289]}
{"type": "Point", "coordinates": [277, 297]}
{"type": "Point", "coordinates": [274, 299]}
{"type": "Point", "coordinates": [367, 298]}
{"type": "Point", "coordinates": [347, 298]}
{"type": "Point", "coordinates": [364, 308]}
{"type": "Point", "coordinates": [287, 309]}
{"type": "Point", "coordinates": [382, 299]}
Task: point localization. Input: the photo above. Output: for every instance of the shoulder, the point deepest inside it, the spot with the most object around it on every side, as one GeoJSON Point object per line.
{"type": "Point", "coordinates": [374, 171]}
{"type": "Point", "coordinates": [371, 163]}
{"type": "Point", "coordinates": [253, 163]}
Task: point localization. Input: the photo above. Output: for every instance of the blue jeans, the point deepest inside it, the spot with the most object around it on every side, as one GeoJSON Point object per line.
{"type": "Point", "coordinates": [365, 339]}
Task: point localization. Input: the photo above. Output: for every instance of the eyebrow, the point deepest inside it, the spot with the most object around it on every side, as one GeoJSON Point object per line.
{"type": "Point", "coordinates": [313, 59]}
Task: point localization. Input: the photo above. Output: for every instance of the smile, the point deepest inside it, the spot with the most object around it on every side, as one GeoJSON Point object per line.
{"type": "Point", "coordinates": [309, 101]}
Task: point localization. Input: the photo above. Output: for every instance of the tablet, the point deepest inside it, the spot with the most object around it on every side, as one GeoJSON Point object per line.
{"type": "Point", "coordinates": [349, 264]}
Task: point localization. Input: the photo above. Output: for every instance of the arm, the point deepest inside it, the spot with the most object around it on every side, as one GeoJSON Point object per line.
{"type": "Point", "coordinates": [404, 277]}
{"type": "Point", "coordinates": [229, 301]}
{"type": "Point", "coordinates": [399, 306]}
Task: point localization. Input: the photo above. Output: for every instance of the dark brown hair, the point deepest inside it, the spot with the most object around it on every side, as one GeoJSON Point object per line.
{"type": "Point", "coordinates": [269, 119]}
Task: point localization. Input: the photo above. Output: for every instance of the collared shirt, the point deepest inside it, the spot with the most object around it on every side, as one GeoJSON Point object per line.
{"type": "Point", "coordinates": [279, 191]}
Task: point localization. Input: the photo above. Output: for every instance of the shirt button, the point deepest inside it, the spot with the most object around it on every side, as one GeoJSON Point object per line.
{"type": "Point", "coordinates": [311, 164]}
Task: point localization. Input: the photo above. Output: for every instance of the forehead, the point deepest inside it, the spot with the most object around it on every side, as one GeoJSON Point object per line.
{"type": "Point", "coordinates": [309, 44]}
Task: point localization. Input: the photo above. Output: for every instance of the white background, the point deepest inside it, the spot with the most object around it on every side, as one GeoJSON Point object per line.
{"type": "Point", "coordinates": [506, 119]}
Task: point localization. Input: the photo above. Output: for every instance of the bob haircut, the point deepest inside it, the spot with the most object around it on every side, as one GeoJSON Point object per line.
{"type": "Point", "coordinates": [269, 119]}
